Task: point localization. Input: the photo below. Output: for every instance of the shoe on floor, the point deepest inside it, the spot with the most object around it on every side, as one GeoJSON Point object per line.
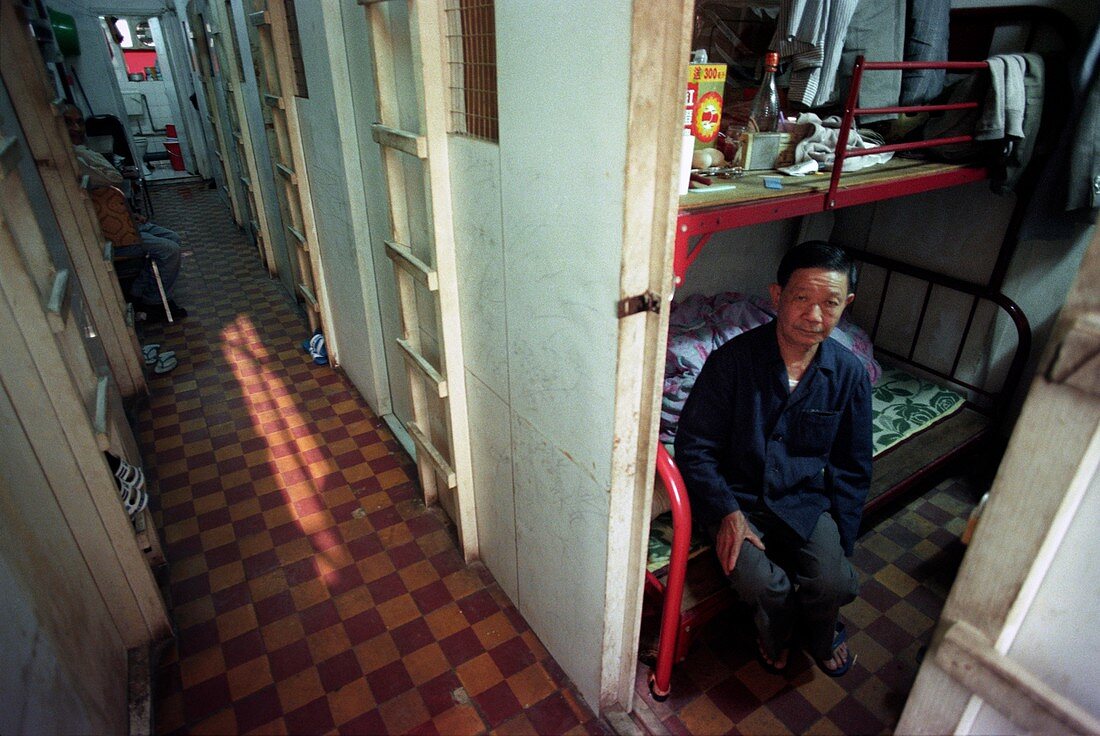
{"type": "Point", "coordinates": [839, 638]}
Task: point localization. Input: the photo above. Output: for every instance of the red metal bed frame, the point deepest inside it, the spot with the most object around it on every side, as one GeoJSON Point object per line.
{"type": "Point", "coordinates": [702, 223]}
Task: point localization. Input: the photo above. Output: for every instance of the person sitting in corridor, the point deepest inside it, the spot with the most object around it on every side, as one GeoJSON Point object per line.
{"type": "Point", "coordinates": [774, 444]}
{"type": "Point", "coordinates": [162, 244]}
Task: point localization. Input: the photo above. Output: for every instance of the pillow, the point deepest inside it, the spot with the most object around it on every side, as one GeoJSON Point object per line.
{"type": "Point", "coordinates": [700, 324]}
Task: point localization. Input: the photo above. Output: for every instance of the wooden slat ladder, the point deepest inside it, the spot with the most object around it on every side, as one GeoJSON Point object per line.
{"type": "Point", "coordinates": [207, 51]}
{"type": "Point", "coordinates": [232, 66]}
{"type": "Point", "coordinates": [291, 180]}
{"type": "Point", "coordinates": [435, 275]}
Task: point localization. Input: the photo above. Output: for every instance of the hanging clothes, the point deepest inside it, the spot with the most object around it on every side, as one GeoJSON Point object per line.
{"type": "Point", "coordinates": [876, 32]}
{"type": "Point", "coordinates": [1012, 110]}
{"type": "Point", "coordinates": [926, 35]}
{"type": "Point", "coordinates": [810, 33]}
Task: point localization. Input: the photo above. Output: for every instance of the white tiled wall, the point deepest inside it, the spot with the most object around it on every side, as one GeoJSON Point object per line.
{"type": "Point", "coordinates": [154, 91]}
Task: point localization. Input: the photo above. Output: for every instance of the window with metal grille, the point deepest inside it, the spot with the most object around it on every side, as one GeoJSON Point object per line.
{"type": "Point", "coordinates": [471, 36]}
{"type": "Point", "coordinates": [300, 87]}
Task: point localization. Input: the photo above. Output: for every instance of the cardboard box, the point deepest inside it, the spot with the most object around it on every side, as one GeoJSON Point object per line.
{"type": "Point", "coordinates": [703, 102]}
{"type": "Point", "coordinates": [769, 150]}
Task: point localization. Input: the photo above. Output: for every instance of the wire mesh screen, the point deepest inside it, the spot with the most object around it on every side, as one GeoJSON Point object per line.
{"type": "Point", "coordinates": [471, 37]}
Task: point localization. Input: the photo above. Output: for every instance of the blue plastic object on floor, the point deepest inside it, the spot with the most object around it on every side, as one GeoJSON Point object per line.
{"type": "Point", "coordinates": [315, 346]}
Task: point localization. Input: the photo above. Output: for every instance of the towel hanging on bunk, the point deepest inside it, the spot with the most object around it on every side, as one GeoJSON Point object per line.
{"type": "Point", "coordinates": [1011, 112]}
{"type": "Point", "coordinates": [1006, 124]}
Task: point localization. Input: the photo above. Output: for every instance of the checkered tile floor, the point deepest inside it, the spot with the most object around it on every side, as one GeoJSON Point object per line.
{"type": "Point", "coordinates": [311, 590]}
{"type": "Point", "coordinates": [906, 565]}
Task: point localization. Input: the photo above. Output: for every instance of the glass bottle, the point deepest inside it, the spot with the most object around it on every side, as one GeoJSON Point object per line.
{"type": "Point", "coordinates": [764, 114]}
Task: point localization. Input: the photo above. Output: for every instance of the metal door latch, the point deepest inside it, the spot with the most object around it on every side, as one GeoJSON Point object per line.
{"type": "Point", "coordinates": [647, 302]}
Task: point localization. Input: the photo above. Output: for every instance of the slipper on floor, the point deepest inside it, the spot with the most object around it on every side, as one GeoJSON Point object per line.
{"type": "Point", "coordinates": [150, 353]}
{"type": "Point", "coordinates": [840, 637]}
{"type": "Point", "coordinates": [165, 362]}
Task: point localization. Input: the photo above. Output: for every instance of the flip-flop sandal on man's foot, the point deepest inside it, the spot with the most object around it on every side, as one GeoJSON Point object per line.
{"type": "Point", "coordinates": [840, 637]}
{"type": "Point", "coordinates": [165, 362]}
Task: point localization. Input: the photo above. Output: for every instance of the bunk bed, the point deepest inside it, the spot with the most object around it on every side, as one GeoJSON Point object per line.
{"type": "Point", "coordinates": [684, 583]}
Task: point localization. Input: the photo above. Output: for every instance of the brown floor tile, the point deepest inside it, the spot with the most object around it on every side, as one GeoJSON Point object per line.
{"type": "Point", "coordinates": [531, 684]}
{"type": "Point", "coordinates": [426, 663]}
{"type": "Point", "coordinates": [461, 719]}
{"type": "Point", "coordinates": [404, 712]}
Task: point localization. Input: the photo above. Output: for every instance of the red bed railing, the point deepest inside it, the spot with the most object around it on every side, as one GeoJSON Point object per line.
{"type": "Point", "coordinates": [660, 677]}
{"type": "Point", "coordinates": [701, 224]}
{"type": "Point", "coordinates": [852, 111]}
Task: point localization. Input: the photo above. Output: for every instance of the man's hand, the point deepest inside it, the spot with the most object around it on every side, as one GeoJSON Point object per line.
{"type": "Point", "coordinates": [734, 530]}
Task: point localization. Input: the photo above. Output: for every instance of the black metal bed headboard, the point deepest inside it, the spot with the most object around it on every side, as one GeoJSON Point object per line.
{"type": "Point", "coordinates": [992, 400]}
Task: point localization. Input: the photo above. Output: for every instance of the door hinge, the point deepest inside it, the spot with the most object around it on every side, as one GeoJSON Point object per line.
{"type": "Point", "coordinates": [647, 302]}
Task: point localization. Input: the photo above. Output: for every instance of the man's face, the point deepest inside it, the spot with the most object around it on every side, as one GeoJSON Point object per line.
{"type": "Point", "coordinates": [809, 306]}
{"type": "Point", "coordinates": [75, 125]}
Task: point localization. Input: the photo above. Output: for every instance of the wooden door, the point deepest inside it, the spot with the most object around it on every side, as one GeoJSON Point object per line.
{"type": "Point", "coordinates": [212, 74]}
{"type": "Point", "coordinates": [233, 71]}
{"type": "Point", "coordinates": [66, 409]}
{"type": "Point", "coordinates": [37, 113]}
{"type": "Point", "coordinates": [1015, 649]}
{"type": "Point", "coordinates": [281, 82]}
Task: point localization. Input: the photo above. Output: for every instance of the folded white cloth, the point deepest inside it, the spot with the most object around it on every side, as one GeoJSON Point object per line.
{"type": "Point", "coordinates": [820, 145]}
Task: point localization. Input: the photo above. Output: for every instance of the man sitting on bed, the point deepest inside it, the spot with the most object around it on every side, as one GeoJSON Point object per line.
{"type": "Point", "coordinates": [774, 444]}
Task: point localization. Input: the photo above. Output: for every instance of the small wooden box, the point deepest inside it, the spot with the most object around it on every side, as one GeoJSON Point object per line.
{"type": "Point", "coordinates": [769, 150]}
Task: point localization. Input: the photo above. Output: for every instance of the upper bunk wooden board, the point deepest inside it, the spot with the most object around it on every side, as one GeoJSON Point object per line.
{"type": "Point", "coordinates": [749, 202]}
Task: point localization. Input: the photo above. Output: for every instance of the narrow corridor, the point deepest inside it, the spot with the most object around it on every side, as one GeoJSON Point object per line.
{"type": "Point", "coordinates": [311, 590]}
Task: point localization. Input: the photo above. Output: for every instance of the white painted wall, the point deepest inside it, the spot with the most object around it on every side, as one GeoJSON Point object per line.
{"type": "Point", "coordinates": [479, 238]}
{"type": "Point", "coordinates": [158, 109]}
{"type": "Point", "coordinates": [540, 350]}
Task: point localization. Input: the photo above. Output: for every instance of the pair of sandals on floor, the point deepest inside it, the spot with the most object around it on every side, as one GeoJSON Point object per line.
{"type": "Point", "coordinates": [160, 361]}
{"type": "Point", "coordinates": [131, 485]}
{"type": "Point", "coordinates": [840, 653]}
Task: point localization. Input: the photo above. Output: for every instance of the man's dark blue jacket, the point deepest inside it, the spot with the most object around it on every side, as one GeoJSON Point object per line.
{"type": "Point", "coordinates": [745, 441]}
